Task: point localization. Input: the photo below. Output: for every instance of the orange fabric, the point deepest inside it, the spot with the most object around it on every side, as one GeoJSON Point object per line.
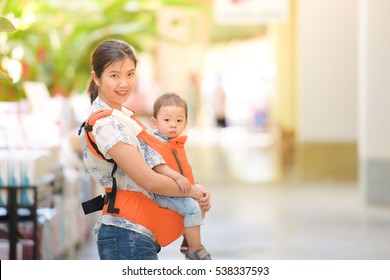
{"type": "Point", "coordinates": [166, 224]}
{"type": "Point", "coordinates": [172, 152]}
{"type": "Point", "coordinates": [90, 122]}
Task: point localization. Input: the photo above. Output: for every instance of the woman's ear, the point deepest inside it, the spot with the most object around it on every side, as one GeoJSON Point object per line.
{"type": "Point", "coordinates": [95, 79]}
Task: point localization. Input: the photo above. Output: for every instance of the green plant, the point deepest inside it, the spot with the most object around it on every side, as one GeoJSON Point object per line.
{"type": "Point", "coordinates": [5, 26]}
{"type": "Point", "coordinates": [58, 36]}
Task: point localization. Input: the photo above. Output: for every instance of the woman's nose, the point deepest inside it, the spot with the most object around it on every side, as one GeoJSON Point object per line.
{"type": "Point", "coordinates": [123, 82]}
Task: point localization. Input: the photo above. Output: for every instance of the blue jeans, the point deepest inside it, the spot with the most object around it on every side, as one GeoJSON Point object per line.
{"type": "Point", "coordinates": [116, 243]}
{"type": "Point", "coordinates": [186, 206]}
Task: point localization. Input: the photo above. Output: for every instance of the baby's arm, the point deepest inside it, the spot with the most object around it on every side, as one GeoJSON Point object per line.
{"type": "Point", "coordinates": [182, 181]}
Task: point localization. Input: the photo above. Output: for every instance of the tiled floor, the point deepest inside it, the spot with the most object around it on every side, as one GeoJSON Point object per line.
{"type": "Point", "coordinates": [311, 221]}
{"type": "Point", "coordinates": [254, 218]}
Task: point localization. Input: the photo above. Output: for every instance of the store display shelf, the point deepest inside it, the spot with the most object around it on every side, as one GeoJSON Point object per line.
{"type": "Point", "coordinates": [21, 204]}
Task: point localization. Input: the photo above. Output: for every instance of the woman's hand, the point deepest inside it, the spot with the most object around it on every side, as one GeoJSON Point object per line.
{"type": "Point", "coordinates": [204, 202]}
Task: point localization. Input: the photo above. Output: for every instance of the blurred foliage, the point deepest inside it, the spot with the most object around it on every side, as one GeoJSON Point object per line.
{"type": "Point", "coordinates": [5, 26]}
{"type": "Point", "coordinates": [55, 37]}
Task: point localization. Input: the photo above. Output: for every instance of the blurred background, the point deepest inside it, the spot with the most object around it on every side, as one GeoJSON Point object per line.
{"type": "Point", "coordinates": [287, 129]}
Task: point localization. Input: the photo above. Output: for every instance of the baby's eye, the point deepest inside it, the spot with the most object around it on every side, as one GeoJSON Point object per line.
{"type": "Point", "coordinates": [166, 120]}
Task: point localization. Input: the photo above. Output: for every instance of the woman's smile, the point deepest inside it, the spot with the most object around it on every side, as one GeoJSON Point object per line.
{"type": "Point", "coordinates": [122, 92]}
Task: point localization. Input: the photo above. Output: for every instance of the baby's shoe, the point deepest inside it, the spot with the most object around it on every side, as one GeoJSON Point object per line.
{"type": "Point", "coordinates": [201, 254]}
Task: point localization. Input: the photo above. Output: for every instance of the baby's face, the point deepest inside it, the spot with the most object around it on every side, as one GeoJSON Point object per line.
{"type": "Point", "coordinates": [171, 121]}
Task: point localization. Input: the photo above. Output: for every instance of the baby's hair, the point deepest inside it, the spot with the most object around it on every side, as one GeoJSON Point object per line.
{"type": "Point", "coordinates": [169, 99]}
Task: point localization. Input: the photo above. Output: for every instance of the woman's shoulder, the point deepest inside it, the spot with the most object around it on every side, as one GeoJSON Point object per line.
{"type": "Point", "coordinates": [102, 119]}
{"type": "Point", "coordinates": [98, 104]}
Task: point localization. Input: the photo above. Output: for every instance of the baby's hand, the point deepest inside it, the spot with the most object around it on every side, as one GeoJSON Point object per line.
{"type": "Point", "coordinates": [184, 184]}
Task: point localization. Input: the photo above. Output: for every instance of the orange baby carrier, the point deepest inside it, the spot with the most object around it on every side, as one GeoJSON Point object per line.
{"type": "Point", "coordinates": [172, 152]}
{"type": "Point", "coordinates": [166, 225]}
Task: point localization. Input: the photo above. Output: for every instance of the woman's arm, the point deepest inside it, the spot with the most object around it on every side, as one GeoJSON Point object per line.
{"type": "Point", "coordinates": [133, 164]}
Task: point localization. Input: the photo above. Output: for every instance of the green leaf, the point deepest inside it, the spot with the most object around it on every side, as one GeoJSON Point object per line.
{"type": "Point", "coordinates": [6, 25]}
{"type": "Point", "coordinates": [4, 77]}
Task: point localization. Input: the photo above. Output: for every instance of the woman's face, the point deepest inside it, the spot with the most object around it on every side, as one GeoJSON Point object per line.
{"type": "Point", "coordinates": [117, 82]}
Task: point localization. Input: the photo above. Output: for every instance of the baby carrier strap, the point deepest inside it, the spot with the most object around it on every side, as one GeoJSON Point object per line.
{"type": "Point", "coordinates": [96, 203]}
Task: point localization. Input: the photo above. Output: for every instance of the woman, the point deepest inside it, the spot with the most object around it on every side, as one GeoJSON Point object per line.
{"type": "Point", "coordinates": [112, 81]}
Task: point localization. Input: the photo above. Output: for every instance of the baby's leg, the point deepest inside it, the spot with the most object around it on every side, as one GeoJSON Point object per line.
{"type": "Point", "coordinates": [192, 235]}
{"type": "Point", "coordinates": [193, 217]}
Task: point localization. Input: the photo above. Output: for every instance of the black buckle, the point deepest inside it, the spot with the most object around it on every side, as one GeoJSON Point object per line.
{"type": "Point", "coordinates": [88, 127]}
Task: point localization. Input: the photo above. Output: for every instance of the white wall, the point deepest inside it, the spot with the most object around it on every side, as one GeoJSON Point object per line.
{"type": "Point", "coordinates": [374, 78]}
{"type": "Point", "coordinates": [327, 70]}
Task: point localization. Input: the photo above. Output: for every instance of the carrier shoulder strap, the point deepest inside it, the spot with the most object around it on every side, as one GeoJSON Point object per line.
{"type": "Point", "coordinates": [88, 127]}
{"type": "Point", "coordinates": [96, 204]}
